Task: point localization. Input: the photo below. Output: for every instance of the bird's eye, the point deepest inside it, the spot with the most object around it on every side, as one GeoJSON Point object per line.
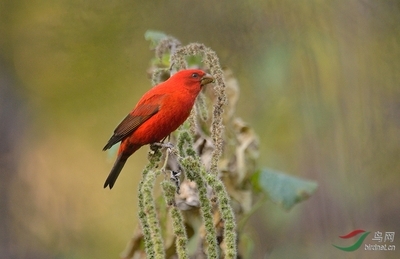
{"type": "Point", "coordinates": [195, 75]}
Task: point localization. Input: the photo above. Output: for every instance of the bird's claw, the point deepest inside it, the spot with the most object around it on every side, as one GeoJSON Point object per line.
{"type": "Point", "coordinates": [156, 145]}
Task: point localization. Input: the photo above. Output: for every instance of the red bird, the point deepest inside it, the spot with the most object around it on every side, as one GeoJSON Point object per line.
{"type": "Point", "coordinates": [159, 112]}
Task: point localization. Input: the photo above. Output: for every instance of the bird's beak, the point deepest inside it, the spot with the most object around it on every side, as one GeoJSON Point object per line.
{"type": "Point", "coordinates": [206, 79]}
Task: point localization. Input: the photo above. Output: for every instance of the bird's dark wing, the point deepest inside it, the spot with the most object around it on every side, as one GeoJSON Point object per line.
{"type": "Point", "coordinates": [131, 122]}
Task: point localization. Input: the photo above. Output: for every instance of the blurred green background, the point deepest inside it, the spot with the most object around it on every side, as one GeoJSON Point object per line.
{"type": "Point", "coordinates": [320, 84]}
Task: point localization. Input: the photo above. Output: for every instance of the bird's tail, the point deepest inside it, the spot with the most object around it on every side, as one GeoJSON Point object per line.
{"type": "Point", "coordinates": [118, 165]}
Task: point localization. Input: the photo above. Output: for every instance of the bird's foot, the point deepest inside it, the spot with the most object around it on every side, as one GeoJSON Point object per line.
{"type": "Point", "coordinates": [157, 145]}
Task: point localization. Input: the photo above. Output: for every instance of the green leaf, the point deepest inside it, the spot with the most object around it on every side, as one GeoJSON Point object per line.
{"type": "Point", "coordinates": [283, 189]}
{"type": "Point", "coordinates": [154, 36]}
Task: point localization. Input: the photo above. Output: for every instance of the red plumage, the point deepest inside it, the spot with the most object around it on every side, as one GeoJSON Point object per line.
{"type": "Point", "coordinates": [159, 112]}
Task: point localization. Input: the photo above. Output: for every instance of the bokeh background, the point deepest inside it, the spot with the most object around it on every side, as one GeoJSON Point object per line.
{"type": "Point", "coordinates": [320, 84]}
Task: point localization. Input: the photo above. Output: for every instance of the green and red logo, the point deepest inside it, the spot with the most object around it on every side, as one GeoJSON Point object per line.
{"type": "Point", "coordinates": [357, 244]}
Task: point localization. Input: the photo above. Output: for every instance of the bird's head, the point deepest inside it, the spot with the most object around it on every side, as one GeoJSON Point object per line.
{"type": "Point", "coordinates": [193, 79]}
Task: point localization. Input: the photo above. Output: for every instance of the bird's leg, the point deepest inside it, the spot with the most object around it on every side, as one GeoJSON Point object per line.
{"type": "Point", "coordinates": [169, 137]}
